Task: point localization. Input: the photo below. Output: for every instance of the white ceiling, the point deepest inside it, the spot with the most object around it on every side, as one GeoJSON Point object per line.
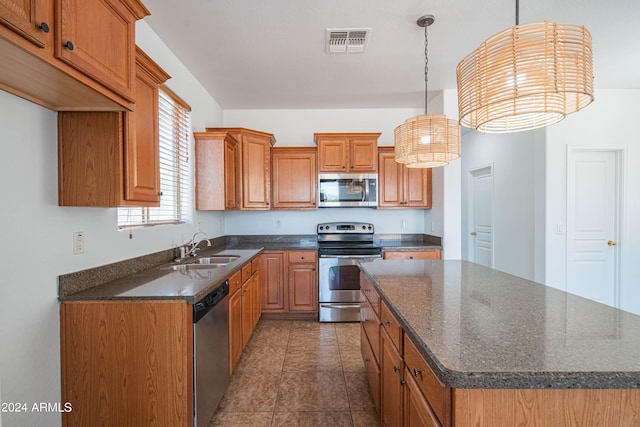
{"type": "Point", "coordinates": [262, 54]}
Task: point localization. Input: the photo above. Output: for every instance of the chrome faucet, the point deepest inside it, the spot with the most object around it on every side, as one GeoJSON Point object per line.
{"type": "Point", "coordinates": [194, 243]}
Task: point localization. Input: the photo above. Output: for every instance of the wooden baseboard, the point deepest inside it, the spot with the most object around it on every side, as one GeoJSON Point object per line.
{"type": "Point", "coordinates": [290, 316]}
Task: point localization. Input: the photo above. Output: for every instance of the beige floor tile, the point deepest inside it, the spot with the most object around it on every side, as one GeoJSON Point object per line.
{"type": "Point", "coordinates": [308, 336]}
{"type": "Point", "coordinates": [358, 391]}
{"type": "Point", "coordinates": [312, 358]}
{"type": "Point", "coordinates": [251, 391]}
{"type": "Point", "coordinates": [351, 360]}
{"type": "Point", "coordinates": [262, 358]}
{"type": "Point", "coordinates": [348, 335]}
{"type": "Point", "coordinates": [365, 419]}
{"type": "Point", "coordinates": [312, 391]}
{"type": "Point", "coordinates": [241, 419]}
{"type": "Point", "coordinates": [312, 419]}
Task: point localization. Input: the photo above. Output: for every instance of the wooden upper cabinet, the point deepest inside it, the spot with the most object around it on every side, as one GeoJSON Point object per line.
{"type": "Point", "coordinates": [347, 152]}
{"type": "Point", "coordinates": [254, 169]}
{"type": "Point", "coordinates": [402, 187]}
{"type": "Point", "coordinates": [98, 39]}
{"type": "Point", "coordinates": [142, 151]}
{"type": "Point", "coordinates": [294, 183]}
{"type": "Point", "coordinates": [28, 19]}
{"type": "Point", "coordinates": [108, 159]}
{"type": "Point", "coordinates": [217, 171]}
{"type": "Point", "coordinates": [70, 55]}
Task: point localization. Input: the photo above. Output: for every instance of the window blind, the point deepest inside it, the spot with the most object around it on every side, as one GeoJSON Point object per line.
{"type": "Point", "coordinates": [175, 170]}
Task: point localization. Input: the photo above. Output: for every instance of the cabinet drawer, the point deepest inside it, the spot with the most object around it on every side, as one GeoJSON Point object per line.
{"type": "Point", "coordinates": [255, 264]}
{"type": "Point", "coordinates": [235, 282]}
{"type": "Point", "coordinates": [372, 296]}
{"type": "Point", "coordinates": [303, 256]}
{"type": "Point", "coordinates": [438, 395]}
{"type": "Point", "coordinates": [246, 272]}
{"type": "Point", "coordinates": [371, 326]}
{"type": "Point", "coordinates": [424, 255]}
{"type": "Point", "coordinates": [391, 325]}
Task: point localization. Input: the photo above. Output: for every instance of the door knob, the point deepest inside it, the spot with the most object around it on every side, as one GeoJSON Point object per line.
{"type": "Point", "coordinates": [473, 233]}
{"type": "Point", "coordinates": [612, 243]}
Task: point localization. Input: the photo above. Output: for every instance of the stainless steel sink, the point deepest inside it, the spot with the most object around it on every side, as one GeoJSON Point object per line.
{"type": "Point", "coordinates": [182, 267]}
{"type": "Point", "coordinates": [216, 259]}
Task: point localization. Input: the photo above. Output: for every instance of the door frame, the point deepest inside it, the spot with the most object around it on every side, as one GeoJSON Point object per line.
{"type": "Point", "coordinates": [620, 164]}
{"type": "Point", "coordinates": [471, 174]}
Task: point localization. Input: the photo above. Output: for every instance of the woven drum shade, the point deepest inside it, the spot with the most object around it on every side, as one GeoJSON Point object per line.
{"type": "Point", "coordinates": [427, 141]}
{"type": "Point", "coordinates": [526, 77]}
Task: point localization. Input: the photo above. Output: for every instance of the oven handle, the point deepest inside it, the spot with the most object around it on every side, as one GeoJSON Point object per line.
{"type": "Point", "coordinates": [351, 256]}
{"type": "Point", "coordinates": [340, 306]}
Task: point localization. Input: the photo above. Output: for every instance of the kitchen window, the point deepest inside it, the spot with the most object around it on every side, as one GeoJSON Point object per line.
{"type": "Point", "coordinates": [175, 169]}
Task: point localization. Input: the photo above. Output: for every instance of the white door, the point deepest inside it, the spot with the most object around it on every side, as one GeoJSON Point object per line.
{"type": "Point", "coordinates": [592, 225]}
{"type": "Point", "coordinates": [481, 216]}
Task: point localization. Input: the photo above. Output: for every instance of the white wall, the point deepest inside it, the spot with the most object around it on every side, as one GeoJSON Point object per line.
{"type": "Point", "coordinates": [37, 238]}
{"type": "Point", "coordinates": [609, 122]}
{"type": "Point", "coordinates": [513, 159]}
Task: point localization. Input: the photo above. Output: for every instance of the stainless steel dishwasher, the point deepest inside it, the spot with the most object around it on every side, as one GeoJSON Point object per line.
{"type": "Point", "coordinates": [210, 353]}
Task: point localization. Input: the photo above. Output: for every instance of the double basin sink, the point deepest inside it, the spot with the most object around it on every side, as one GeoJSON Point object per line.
{"type": "Point", "coordinates": [214, 261]}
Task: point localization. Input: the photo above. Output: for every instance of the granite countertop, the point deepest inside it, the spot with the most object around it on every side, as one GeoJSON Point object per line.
{"type": "Point", "coordinates": [481, 328]}
{"type": "Point", "coordinates": [159, 282]}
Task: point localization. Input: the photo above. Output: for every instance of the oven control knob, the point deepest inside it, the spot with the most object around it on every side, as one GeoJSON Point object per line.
{"type": "Point", "coordinates": [321, 228]}
{"type": "Point", "coordinates": [364, 227]}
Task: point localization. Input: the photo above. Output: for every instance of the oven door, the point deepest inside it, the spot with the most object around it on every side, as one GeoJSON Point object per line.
{"type": "Point", "coordinates": [339, 283]}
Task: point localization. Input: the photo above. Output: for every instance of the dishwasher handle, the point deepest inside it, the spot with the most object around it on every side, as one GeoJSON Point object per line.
{"type": "Point", "coordinates": [202, 307]}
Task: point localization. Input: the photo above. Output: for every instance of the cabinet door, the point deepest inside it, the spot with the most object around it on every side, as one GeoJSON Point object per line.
{"type": "Point", "coordinates": [390, 382]}
{"type": "Point", "coordinates": [417, 412]}
{"type": "Point", "coordinates": [142, 152]}
{"type": "Point", "coordinates": [83, 27]}
{"type": "Point", "coordinates": [363, 155]}
{"type": "Point", "coordinates": [232, 184]}
{"type": "Point", "coordinates": [424, 255]}
{"type": "Point", "coordinates": [417, 187]}
{"type": "Point", "coordinates": [390, 181]}
{"type": "Point", "coordinates": [256, 300]}
{"type": "Point", "coordinates": [273, 295]}
{"type": "Point", "coordinates": [371, 367]}
{"type": "Point", "coordinates": [294, 179]}
{"type": "Point", "coordinates": [333, 155]}
{"type": "Point", "coordinates": [235, 329]}
{"type": "Point", "coordinates": [303, 287]}
{"type": "Point", "coordinates": [247, 313]}
{"type": "Point", "coordinates": [26, 18]}
{"type": "Point", "coordinates": [256, 172]}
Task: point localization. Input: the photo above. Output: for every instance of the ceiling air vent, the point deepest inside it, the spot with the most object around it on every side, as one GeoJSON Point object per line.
{"type": "Point", "coordinates": [347, 40]}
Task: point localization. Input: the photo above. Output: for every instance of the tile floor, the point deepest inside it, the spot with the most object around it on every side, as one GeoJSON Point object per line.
{"type": "Point", "coordinates": [299, 373]}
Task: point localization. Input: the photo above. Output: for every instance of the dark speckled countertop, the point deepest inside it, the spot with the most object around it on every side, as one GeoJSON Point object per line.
{"type": "Point", "coordinates": [481, 328]}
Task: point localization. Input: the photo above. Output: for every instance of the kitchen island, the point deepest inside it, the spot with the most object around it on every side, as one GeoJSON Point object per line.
{"type": "Point", "coordinates": [503, 350]}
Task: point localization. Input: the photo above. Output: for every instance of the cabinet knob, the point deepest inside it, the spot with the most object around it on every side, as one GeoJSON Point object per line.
{"type": "Point", "coordinates": [44, 27]}
{"type": "Point", "coordinates": [612, 243]}
{"type": "Point", "coordinates": [386, 322]}
{"type": "Point", "coordinates": [410, 257]}
{"type": "Point", "coordinates": [402, 381]}
{"type": "Point", "coordinates": [69, 45]}
{"type": "Point", "coordinates": [473, 233]}
{"type": "Point", "coordinates": [301, 257]}
{"type": "Point", "coordinates": [395, 368]}
{"type": "Point", "coordinates": [160, 194]}
{"type": "Point", "coordinates": [416, 372]}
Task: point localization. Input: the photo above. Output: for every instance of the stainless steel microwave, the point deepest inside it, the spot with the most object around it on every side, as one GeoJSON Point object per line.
{"type": "Point", "coordinates": [338, 190]}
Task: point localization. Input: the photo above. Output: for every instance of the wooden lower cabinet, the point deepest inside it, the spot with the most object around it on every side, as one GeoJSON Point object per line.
{"type": "Point", "coordinates": [390, 382]}
{"type": "Point", "coordinates": [235, 329]}
{"type": "Point", "coordinates": [371, 367]}
{"type": "Point", "coordinates": [127, 363]}
{"type": "Point", "coordinates": [244, 309]}
{"type": "Point", "coordinates": [417, 412]}
{"type": "Point", "coordinates": [273, 279]}
{"type": "Point", "coordinates": [428, 254]}
{"type": "Point", "coordinates": [290, 283]}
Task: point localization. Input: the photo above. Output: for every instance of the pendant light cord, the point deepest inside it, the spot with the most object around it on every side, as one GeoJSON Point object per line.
{"type": "Point", "coordinates": [426, 67]}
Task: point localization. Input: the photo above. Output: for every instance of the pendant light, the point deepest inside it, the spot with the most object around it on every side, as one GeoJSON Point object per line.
{"type": "Point", "coordinates": [429, 140]}
{"type": "Point", "coordinates": [526, 77]}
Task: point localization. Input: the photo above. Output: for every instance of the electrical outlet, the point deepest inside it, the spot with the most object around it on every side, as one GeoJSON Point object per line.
{"type": "Point", "coordinates": [78, 242]}
{"type": "Point", "coordinates": [277, 224]}
{"type": "Point", "coordinates": [403, 224]}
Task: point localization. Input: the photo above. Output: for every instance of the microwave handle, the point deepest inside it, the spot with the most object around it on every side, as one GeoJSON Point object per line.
{"type": "Point", "coordinates": [365, 194]}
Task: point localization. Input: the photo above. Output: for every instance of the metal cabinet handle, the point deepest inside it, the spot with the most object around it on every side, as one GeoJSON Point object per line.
{"type": "Point", "coordinates": [69, 45]}
{"type": "Point", "coordinates": [386, 322]}
{"type": "Point", "coordinates": [395, 368]}
{"type": "Point", "coordinates": [402, 381]}
{"type": "Point", "coordinates": [416, 372]}
{"type": "Point", "coordinates": [44, 27]}
{"type": "Point", "coordinates": [612, 243]}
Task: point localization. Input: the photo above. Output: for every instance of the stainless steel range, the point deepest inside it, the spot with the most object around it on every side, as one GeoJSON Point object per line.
{"type": "Point", "coordinates": [340, 246]}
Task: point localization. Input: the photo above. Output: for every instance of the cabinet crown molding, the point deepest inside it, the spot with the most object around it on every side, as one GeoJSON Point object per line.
{"type": "Point", "coordinates": [272, 139]}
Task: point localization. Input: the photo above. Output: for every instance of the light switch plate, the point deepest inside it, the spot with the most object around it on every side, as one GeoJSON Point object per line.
{"type": "Point", "coordinates": [78, 242]}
